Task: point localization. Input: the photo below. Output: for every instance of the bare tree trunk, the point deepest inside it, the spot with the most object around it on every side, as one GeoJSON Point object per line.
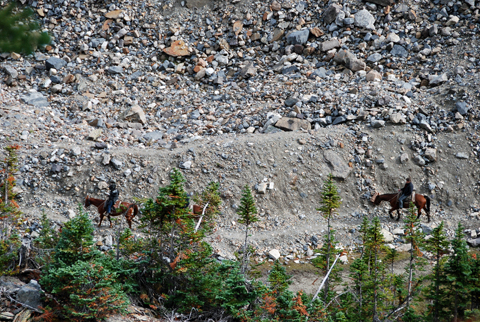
{"type": "Point", "coordinates": [325, 278]}
{"type": "Point", "coordinates": [243, 270]}
{"type": "Point", "coordinates": [437, 287]}
{"type": "Point", "coordinates": [410, 275]}
{"type": "Point", "coordinates": [328, 255]}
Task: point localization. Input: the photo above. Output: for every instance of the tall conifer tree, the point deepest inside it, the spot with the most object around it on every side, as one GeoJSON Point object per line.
{"type": "Point", "coordinates": [247, 212]}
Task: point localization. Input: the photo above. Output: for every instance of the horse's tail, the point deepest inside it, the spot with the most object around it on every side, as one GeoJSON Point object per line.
{"type": "Point", "coordinates": [135, 210]}
{"type": "Point", "coordinates": [428, 204]}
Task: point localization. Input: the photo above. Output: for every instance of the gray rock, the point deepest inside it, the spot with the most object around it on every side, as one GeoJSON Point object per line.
{"type": "Point", "coordinates": [404, 158]}
{"type": "Point", "coordinates": [153, 136]}
{"type": "Point", "coordinates": [30, 294]}
{"type": "Point", "coordinates": [419, 160]}
{"type": "Point", "coordinates": [76, 151]}
{"type": "Point", "coordinates": [289, 102]}
{"type": "Point", "coordinates": [373, 58]}
{"type": "Point", "coordinates": [109, 241]}
{"type": "Point", "coordinates": [201, 74]}
{"type": "Point", "coordinates": [95, 134]}
{"type": "Point", "coordinates": [377, 123]}
{"type": "Point", "coordinates": [427, 230]}
{"type": "Point", "coordinates": [340, 167]}
{"type": "Point", "coordinates": [10, 71]}
{"type": "Point", "coordinates": [298, 37]}
{"type": "Point", "coordinates": [431, 154]}
{"type": "Point", "coordinates": [399, 51]}
{"type": "Point", "coordinates": [461, 155]}
{"type": "Point", "coordinates": [330, 14]}
{"type": "Point", "coordinates": [54, 62]}
{"type": "Point", "coordinates": [473, 242]}
{"type": "Point", "coordinates": [462, 107]}
{"type": "Point", "coordinates": [36, 99]}
{"type": "Point", "coordinates": [115, 70]}
{"type": "Point", "coordinates": [398, 118]}
{"type": "Point", "coordinates": [249, 70]}
{"type": "Point", "coordinates": [383, 3]}
{"type": "Point", "coordinates": [117, 164]}
{"type": "Point", "coordinates": [56, 168]}
{"type": "Point", "coordinates": [364, 19]}
{"type": "Point", "coordinates": [435, 80]}
{"type": "Point", "coordinates": [293, 124]}
{"type": "Point", "coordinates": [134, 114]}
{"type": "Point", "coordinates": [106, 159]}
{"type": "Point", "coordinates": [355, 64]}
{"type": "Point", "coordinates": [321, 72]}
{"type": "Point", "coordinates": [329, 44]}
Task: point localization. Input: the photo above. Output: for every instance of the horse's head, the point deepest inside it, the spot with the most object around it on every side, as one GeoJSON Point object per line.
{"type": "Point", "coordinates": [88, 202]}
{"type": "Point", "coordinates": [375, 199]}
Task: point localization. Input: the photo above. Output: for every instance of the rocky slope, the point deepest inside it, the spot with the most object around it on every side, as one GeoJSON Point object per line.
{"type": "Point", "coordinates": [374, 91]}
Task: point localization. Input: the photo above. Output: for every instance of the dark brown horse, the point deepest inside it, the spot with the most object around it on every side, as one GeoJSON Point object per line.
{"type": "Point", "coordinates": [130, 210]}
{"type": "Point", "coordinates": [421, 202]}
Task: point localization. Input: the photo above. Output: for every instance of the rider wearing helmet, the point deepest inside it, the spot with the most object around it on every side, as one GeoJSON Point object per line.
{"type": "Point", "coordinates": [112, 198]}
{"type": "Point", "coordinates": [406, 192]}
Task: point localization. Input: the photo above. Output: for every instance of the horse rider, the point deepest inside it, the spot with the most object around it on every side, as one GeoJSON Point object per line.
{"type": "Point", "coordinates": [406, 192]}
{"type": "Point", "coordinates": [112, 198]}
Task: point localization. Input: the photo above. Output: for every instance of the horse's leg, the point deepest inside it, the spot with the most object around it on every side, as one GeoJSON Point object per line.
{"type": "Point", "coordinates": [128, 216]}
{"type": "Point", "coordinates": [110, 220]}
{"type": "Point", "coordinates": [101, 219]}
{"type": "Point", "coordinates": [398, 214]}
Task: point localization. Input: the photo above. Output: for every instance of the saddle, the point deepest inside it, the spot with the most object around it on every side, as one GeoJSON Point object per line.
{"type": "Point", "coordinates": [409, 198]}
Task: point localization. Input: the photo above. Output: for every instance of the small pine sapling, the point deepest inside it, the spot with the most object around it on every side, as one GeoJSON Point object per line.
{"type": "Point", "coordinates": [330, 201]}
{"type": "Point", "coordinates": [247, 212]}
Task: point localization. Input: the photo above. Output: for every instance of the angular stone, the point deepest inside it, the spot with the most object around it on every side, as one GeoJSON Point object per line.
{"type": "Point", "coordinates": [292, 124]}
{"type": "Point", "coordinates": [329, 44]}
{"type": "Point", "coordinates": [201, 74]}
{"type": "Point", "coordinates": [435, 80]}
{"type": "Point", "coordinates": [278, 34]}
{"type": "Point", "coordinates": [237, 27]}
{"type": "Point", "coordinates": [298, 37]}
{"type": "Point", "coordinates": [249, 70]}
{"type": "Point", "coordinates": [316, 32]}
{"type": "Point", "coordinates": [461, 155]}
{"type": "Point", "coordinates": [373, 76]}
{"type": "Point", "coordinates": [404, 158]}
{"type": "Point", "coordinates": [341, 169]}
{"type": "Point", "coordinates": [10, 71]}
{"type": "Point", "coordinates": [262, 188]}
{"type": "Point", "coordinates": [330, 14]}
{"type": "Point", "coordinates": [398, 118]}
{"type": "Point", "coordinates": [398, 231]}
{"type": "Point", "coordinates": [431, 154]}
{"type": "Point", "coordinates": [355, 64]}
{"type": "Point", "coordinates": [274, 254]}
{"type": "Point", "coordinates": [187, 165]}
{"type": "Point", "coordinates": [95, 134]}
{"type": "Point", "coordinates": [113, 14]}
{"type": "Point", "coordinates": [289, 102]}
{"type": "Point", "coordinates": [378, 123]}
{"type": "Point", "coordinates": [117, 164]}
{"type": "Point", "coordinates": [30, 294]}
{"type": "Point", "coordinates": [321, 72]}
{"type": "Point", "coordinates": [383, 3]}
{"type": "Point", "coordinates": [177, 49]}
{"type": "Point", "coordinates": [135, 114]}
{"type": "Point", "coordinates": [419, 160]}
{"type": "Point", "coordinates": [106, 159]}
{"type": "Point", "coordinates": [54, 62]}
{"type": "Point", "coordinates": [364, 19]}
{"type": "Point", "coordinates": [462, 107]}
{"type": "Point", "coordinates": [115, 69]}
{"type": "Point", "coordinates": [36, 99]}
{"type": "Point", "coordinates": [373, 58]}
{"type": "Point", "coordinates": [399, 51]}
{"type": "Point", "coordinates": [153, 136]}
{"type": "Point", "coordinates": [387, 236]}
{"type": "Point", "coordinates": [473, 242]}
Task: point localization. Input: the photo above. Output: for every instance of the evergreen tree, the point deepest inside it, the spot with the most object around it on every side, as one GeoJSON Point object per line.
{"type": "Point", "coordinates": [19, 31]}
{"type": "Point", "coordinates": [437, 245]}
{"type": "Point", "coordinates": [458, 276]}
{"type": "Point", "coordinates": [330, 201]}
{"type": "Point", "coordinates": [375, 246]}
{"type": "Point", "coordinates": [247, 212]}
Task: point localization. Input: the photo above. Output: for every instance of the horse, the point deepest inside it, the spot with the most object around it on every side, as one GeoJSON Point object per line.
{"type": "Point", "coordinates": [130, 210]}
{"type": "Point", "coordinates": [421, 202]}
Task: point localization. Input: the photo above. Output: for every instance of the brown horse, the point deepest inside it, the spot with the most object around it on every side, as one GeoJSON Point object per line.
{"type": "Point", "coordinates": [130, 210]}
{"type": "Point", "coordinates": [421, 202]}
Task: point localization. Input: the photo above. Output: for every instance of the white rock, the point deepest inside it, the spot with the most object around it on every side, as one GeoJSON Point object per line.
{"type": "Point", "coordinates": [398, 231]}
{"type": "Point", "coordinates": [274, 254]}
{"type": "Point", "coordinates": [387, 236]}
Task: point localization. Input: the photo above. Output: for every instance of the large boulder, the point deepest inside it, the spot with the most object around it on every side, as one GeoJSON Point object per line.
{"type": "Point", "coordinates": [340, 167]}
{"type": "Point", "coordinates": [30, 294]}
